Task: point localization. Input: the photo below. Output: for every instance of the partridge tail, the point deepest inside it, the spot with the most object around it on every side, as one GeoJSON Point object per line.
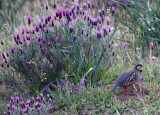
{"type": "Point", "coordinates": [115, 86]}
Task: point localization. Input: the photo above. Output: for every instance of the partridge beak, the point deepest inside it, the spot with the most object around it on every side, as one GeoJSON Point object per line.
{"type": "Point", "coordinates": [141, 65]}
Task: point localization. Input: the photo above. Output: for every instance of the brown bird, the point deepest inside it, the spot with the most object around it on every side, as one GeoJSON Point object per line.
{"type": "Point", "coordinates": [128, 78]}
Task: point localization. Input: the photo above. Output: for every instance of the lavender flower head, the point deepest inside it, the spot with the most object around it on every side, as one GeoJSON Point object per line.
{"type": "Point", "coordinates": [12, 48]}
{"type": "Point", "coordinates": [47, 6]}
{"type": "Point", "coordinates": [63, 89]}
{"type": "Point", "coordinates": [63, 71]}
{"type": "Point", "coordinates": [53, 85]}
{"type": "Point", "coordinates": [46, 87]}
{"type": "Point", "coordinates": [98, 34]}
{"type": "Point", "coordinates": [29, 20]}
{"type": "Point", "coordinates": [152, 46]}
{"type": "Point", "coordinates": [71, 28]}
{"type": "Point", "coordinates": [100, 12]}
{"type": "Point", "coordinates": [107, 20]}
{"type": "Point", "coordinates": [113, 52]}
{"type": "Point", "coordinates": [113, 10]}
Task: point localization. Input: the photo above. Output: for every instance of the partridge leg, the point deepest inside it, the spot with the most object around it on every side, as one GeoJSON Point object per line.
{"type": "Point", "coordinates": [140, 89]}
{"type": "Point", "coordinates": [126, 92]}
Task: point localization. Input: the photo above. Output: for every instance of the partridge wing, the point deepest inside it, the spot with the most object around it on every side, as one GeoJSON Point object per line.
{"type": "Point", "coordinates": [131, 79]}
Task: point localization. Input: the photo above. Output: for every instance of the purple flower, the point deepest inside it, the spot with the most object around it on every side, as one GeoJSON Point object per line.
{"type": "Point", "coordinates": [74, 36]}
{"type": "Point", "coordinates": [2, 64]}
{"type": "Point", "coordinates": [82, 30]}
{"type": "Point", "coordinates": [41, 94]}
{"type": "Point", "coordinates": [61, 80]}
{"type": "Point", "coordinates": [46, 20]}
{"type": "Point", "coordinates": [104, 30]}
{"type": "Point", "coordinates": [40, 24]}
{"type": "Point", "coordinates": [17, 99]}
{"type": "Point", "coordinates": [82, 83]}
{"type": "Point", "coordinates": [46, 87]}
{"type": "Point", "coordinates": [49, 44]}
{"type": "Point", "coordinates": [58, 38]}
{"type": "Point", "coordinates": [40, 43]}
{"type": "Point", "coordinates": [113, 3]}
{"type": "Point", "coordinates": [147, 62]}
{"type": "Point", "coordinates": [28, 102]}
{"type": "Point", "coordinates": [106, 3]}
{"type": "Point", "coordinates": [71, 28]}
{"type": "Point", "coordinates": [44, 41]}
{"type": "Point", "coordinates": [32, 99]}
{"type": "Point", "coordinates": [24, 80]}
{"type": "Point", "coordinates": [109, 28]}
{"type": "Point", "coordinates": [63, 89]}
{"type": "Point", "coordinates": [8, 106]}
{"type": "Point", "coordinates": [61, 84]}
{"type": "Point", "coordinates": [84, 5]}
{"type": "Point", "coordinates": [67, 13]}
{"type": "Point", "coordinates": [123, 43]}
{"type": "Point", "coordinates": [110, 43]}
{"type": "Point", "coordinates": [63, 71]}
{"type": "Point", "coordinates": [12, 107]}
{"type": "Point", "coordinates": [36, 104]}
{"type": "Point", "coordinates": [3, 54]}
{"type": "Point", "coordinates": [12, 99]}
{"type": "Point", "coordinates": [22, 30]}
{"type": "Point", "coordinates": [49, 17]}
{"type": "Point", "coordinates": [53, 36]}
{"type": "Point", "coordinates": [47, 6]}
{"type": "Point", "coordinates": [152, 46]}
{"type": "Point", "coordinates": [43, 50]}
{"type": "Point", "coordinates": [52, 22]}
{"type": "Point", "coordinates": [66, 81]}
{"type": "Point", "coordinates": [20, 49]}
{"type": "Point", "coordinates": [5, 113]}
{"type": "Point", "coordinates": [38, 98]}
{"type": "Point", "coordinates": [107, 20]}
{"type": "Point", "coordinates": [100, 12]}
{"type": "Point", "coordinates": [113, 10]}
{"type": "Point", "coordinates": [98, 34]}
{"type": "Point", "coordinates": [7, 54]}
{"type": "Point", "coordinates": [50, 100]}
{"type": "Point", "coordinates": [71, 85]}
{"type": "Point", "coordinates": [48, 96]}
{"type": "Point", "coordinates": [81, 10]}
{"type": "Point", "coordinates": [37, 28]}
{"type": "Point", "coordinates": [58, 84]}
{"type": "Point", "coordinates": [21, 110]}
{"type": "Point", "coordinates": [43, 99]}
{"type": "Point", "coordinates": [22, 104]}
{"type": "Point", "coordinates": [113, 52]}
{"type": "Point", "coordinates": [75, 88]}
{"type": "Point", "coordinates": [89, 4]}
{"type": "Point", "coordinates": [59, 13]}
{"type": "Point", "coordinates": [29, 20]}
{"type": "Point", "coordinates": [82, 79]}
{"type": "Point", "coordinates": [54, 5]}
{"type": "Point", "coordinates": [78, 85]}
{"type": "Point", "coordinates": [1, 43]}
{"type": "Point", "coordinates": [53, 85]}
{"type": "Point", "coordinates": [25, 61]}
{"type": "Point", "coordinates": [103, 11]}
{"type": "Point", "coordinates": [7, 64]}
